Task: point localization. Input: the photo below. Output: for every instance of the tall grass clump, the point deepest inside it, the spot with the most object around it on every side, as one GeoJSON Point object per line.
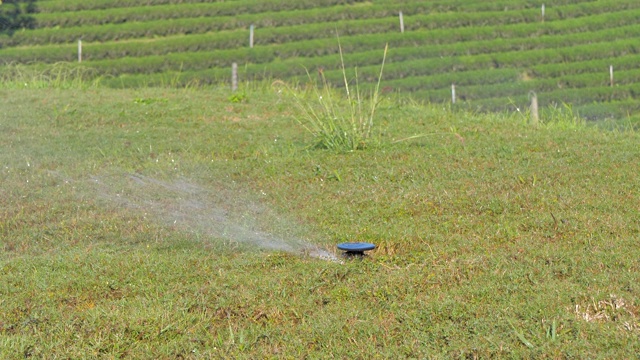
{"type": "Point", "coordinates": [58, 75]}
{"type": "Point", "coordinates": [340, 123]}
{"type": "Point", "coordinates": [562, 117]}
{"type": "Point", "coordinates": [553, 116]}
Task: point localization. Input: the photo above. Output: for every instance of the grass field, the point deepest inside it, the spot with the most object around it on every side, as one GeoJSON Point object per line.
{"type": "Point", "coordinates": [166, 223]}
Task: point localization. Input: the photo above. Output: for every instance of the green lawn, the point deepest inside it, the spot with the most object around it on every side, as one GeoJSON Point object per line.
{"type": "Point", "coordinates": [164, 223]}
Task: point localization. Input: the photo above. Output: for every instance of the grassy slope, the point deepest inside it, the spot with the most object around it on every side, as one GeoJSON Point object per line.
{"type": "Point", "coordinates": [495, 238]}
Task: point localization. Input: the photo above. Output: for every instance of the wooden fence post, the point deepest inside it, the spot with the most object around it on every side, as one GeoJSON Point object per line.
{"type": "Point", "coordinates": [401, 23]}
{"type": "Point", "coordinates": [453, 93]}
{"type": "Point", "coordinates": [611, 75]}
{"type": "Point", "coordinates": [542, 12]}
{"type": "Point", "coordinates": [234, 76]}
{"type": "Point", "coordinates": [80, 50]}
{"type": "Point", "coordinates": [251, 36]}
{"type": "Point", "coordinates": [535, 118]}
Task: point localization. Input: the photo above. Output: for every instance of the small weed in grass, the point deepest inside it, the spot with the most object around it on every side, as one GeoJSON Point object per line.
{"type": "Point", "coordinates": [239, 97]}
{"type": "Point", "coordinates": [148, 101]}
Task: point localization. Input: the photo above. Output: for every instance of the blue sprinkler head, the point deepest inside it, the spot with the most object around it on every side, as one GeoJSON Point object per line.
{"type": "Point", "coordinates": [355, 248]}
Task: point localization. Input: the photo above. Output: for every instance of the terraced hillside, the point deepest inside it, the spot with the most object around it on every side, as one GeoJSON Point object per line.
{"type": "Point", "coordinates": [494, 52]}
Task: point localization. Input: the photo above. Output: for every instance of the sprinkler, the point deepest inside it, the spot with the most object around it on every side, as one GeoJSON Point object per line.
{"type": "Point", "coordinates": [355, 249]}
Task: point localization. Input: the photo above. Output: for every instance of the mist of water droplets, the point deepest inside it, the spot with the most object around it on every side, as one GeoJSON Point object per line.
{"type": "Point", "coordinates": [216, 212]}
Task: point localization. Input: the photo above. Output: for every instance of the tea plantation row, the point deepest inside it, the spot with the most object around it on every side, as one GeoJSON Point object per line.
{"type": "Point", "coordinates": [496, 52]}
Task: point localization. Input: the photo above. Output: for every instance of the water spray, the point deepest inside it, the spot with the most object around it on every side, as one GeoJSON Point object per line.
{"type": "Point", "coordinates": [216, 211]}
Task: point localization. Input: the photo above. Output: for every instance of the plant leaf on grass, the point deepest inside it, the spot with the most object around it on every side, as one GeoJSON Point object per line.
{"type": "Point", "coordinates": [520, 336]}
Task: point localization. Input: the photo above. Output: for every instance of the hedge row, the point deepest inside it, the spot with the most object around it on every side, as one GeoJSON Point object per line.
{"type": "Point", "coordinates": [444, 81]}
{"type": "Point", "coordinates": [493, 26]}
{"type": "Point", "coordinates": [152, 29]}
{"type": "Point", "coordinates": [608, 110]}
{"type": "Point", "coordinates": [624, 62]}
{"type": "Point", "coordinates": [407, 62]}
{"type": "Point", "coordinates": [49, 6]}
{"type": "Point", "coordinates": [508, 96]}
{"type": "Point", "coordinates": [518, 88]}
{"type": "Point", "coordinates": [484, 97]}
{"type": "Point", "coordinates": [227, 7]}
{"type": "Point", "coordinates": [321, 12]}
{"type": "Point", "coordinates": [225, 16]}
{"type": "Point", "coordinates": [402, 62]}
{"type": "Point", "coordinates": [504, 79]}
{"type": "Point", "coordinates": [502, 84]}
{"type": "Point", "coordinates": [464, 40]}
{"type": "Point", "coordinates": [576, 97]}
{"type": "Point", "coordinates": [310, 48]}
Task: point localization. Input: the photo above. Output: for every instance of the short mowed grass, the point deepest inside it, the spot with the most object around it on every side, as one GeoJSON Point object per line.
{"type": "Point", "coordinates": [495, 238]}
